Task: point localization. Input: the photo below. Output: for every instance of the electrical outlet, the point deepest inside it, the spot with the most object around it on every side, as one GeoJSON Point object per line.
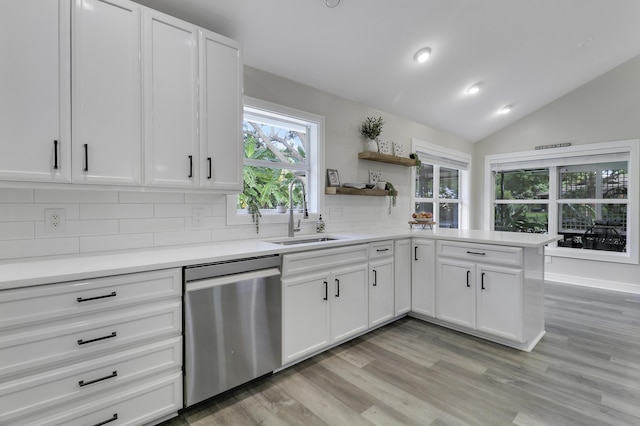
{"type": "Point", "coordinates": [55, 221]}
{"type": "Point", "coordinates": [197, 217]}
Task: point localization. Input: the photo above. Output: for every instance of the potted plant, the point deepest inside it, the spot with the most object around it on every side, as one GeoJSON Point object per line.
{"type": "Point", "coordinates": [282, 206]}
{"type": "Point", "coordinates": [415, 156]}
{"type": "Point", "coordinates": [371, 129]}
{"type": "Point", "coordinates": [249, 200]}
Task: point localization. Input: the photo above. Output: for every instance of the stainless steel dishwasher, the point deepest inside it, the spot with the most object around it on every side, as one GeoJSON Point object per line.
{"type": "Point", "coordinates": [232, 324]}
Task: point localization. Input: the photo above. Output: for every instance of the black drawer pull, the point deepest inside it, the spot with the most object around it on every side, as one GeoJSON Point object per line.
{"type": "Point", "coordinates": [80, 299]}
{"type": "Point", "coordinates": [482, 282]}
{"type": "Point", "coordinates": [478, 253]}
{"type": "Point", "coordinates": [84, 342]}
{"type": "Point", "coordinates": [55, 155]}
{"type": "Point", "coordinates": [190, 166]}
{"type": "Point", "coordinates": [415, 253]}
{"type": "Point", "coordinates": [112, 419]}
{"type": "Point", "coordinates": [326, 291]}
{"type": "Point", "coordinates": [468, 273]}
{"type": "Point", "coordinates": [337, 287]}
{"type": "Point", "coordinates": [86, 157]}
{"type": "Point", "coordinates": [209, 160]}
{"type": "Point", "coordinates": [375, 278]}
{"type": "Point", "coordinates": [90, 382]}
{"type": "Point", "coordinates": [379, 250]}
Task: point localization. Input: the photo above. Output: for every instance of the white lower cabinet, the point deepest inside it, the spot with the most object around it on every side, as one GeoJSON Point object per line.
{"type": "Point", "coordinates": [94, 345]}
{"type": "Point", "coordinates": [480, 296]}
{"type": "Point", "coordinates": [325, 299]}
{"type": "Point", "coordinates": [381, 283]}
{"type": "Point", "coordinates": [402, 277]}
{"type": "Point", "coordinates": [423, 277]}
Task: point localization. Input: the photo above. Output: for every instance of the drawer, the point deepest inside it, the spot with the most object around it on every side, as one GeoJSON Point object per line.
{"type": "Point", "coordinates": [482, 253]}
{"type": "Point", "coordinates": [47, 302]}
{"type": "Point", "coordinates": [149, 401]}
{"type": "Point", "coordinates": [314, 260]}
{"type": "Point", "coordinates": [381, 249]}
{"type": "Point", "coordinates": [59, 386]}
{"type": "Point", "coordinates": [91, 335]}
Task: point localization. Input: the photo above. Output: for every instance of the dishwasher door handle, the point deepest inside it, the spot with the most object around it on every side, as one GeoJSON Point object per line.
{"type": "Point", "coordinates": [231, 279]}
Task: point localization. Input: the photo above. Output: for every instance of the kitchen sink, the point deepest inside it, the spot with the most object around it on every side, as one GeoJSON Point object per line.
{"type": "Point", "coordinates": [303, 241]}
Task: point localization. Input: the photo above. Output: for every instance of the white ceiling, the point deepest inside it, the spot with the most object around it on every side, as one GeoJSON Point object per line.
{"type": "Point", "coordinates": [525, 53]}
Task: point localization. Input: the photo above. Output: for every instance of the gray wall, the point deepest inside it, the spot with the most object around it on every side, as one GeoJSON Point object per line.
{"type": "Point", "coordinates": [605, 109]}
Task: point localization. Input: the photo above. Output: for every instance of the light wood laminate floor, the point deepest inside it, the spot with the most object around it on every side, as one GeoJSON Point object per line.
{"type": "Point", "coordinates": [585, 371]}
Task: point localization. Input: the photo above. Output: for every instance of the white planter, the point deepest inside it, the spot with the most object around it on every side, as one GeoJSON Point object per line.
{"type": "Point", "coordinates": [281, 209]}
{"type": "Point", "coordinates": [371, 145]}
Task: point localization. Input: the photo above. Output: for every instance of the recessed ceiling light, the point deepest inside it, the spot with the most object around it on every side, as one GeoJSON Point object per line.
{"type": "Point", "coordinates": [472, 90]}
{"type": "Point", "coordinates": [505, 109]}
{"type": "Point", "coordinates": [422, 55]}
{"type": "Point", "coordinates": [331, 3]}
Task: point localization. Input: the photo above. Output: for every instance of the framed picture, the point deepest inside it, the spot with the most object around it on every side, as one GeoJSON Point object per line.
{"type": "Point", "coordinates": [332, 177]}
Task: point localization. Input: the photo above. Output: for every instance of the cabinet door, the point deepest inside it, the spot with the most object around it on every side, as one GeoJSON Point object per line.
{"type": "Point", "coordinates": [500, 301]}
{"type": "Point", "coordinates": [106, 107]}
{"type": "Point", "coordinates": [455, 294]}
{"type": "Point", "coordinates": [170, 101]}
{"type": "Point", "coordinates": [423, 277]}
{"type": "Point", "coordinates": [35, 115]}
{"type": "Point", "coordinates": [349, 302]}
{"type": "Point", "coordinates": [381, 306]}
{"type": "Point", "coordinates": [305, 316]}
{"type": "Point", "coordinates": [221, 147]}
{"type": "Point", "coordinates": [402, 277]}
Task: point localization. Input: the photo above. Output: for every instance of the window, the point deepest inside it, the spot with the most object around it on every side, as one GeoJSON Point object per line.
{"type": "Point", "coordinates": [439, 185]}
{"type": "Point", "coordinates": [280, 144]}
{"type": "Point", "coordinates": [580, 193]}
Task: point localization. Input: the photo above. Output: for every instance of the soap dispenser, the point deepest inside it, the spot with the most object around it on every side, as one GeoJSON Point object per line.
{"type": "Point", "coordinates": [320, 225]}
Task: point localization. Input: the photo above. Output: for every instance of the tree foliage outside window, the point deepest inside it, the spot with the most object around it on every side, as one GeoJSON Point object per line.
{"type": "Point", "coordinates": [275, 152]}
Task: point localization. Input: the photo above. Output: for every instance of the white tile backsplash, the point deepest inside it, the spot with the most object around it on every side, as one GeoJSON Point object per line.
{"type": "Point", "coordinates": [98, 221]}
{"type": "Point", "coordinates": [75, 196]}
{"type": "Point", "coordinates": [151, 197]}
{"type": "Point", "coordinates": [115, 211]}
{"type": "Point", "coordinates": [16, 230]}
{"type": "Point", "coordinates": [115, 242]}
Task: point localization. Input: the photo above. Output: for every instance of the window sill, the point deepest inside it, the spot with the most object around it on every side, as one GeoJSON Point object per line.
{"type": "Point", "coordinates": [593, 255]}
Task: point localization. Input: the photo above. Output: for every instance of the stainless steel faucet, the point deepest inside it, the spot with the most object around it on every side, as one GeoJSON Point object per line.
{"type": "Point", "coordinates": [292, 230]}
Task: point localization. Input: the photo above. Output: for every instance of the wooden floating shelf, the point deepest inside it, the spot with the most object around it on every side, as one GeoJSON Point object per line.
{"type": "Point", "coordinates": [340, 190]}
{"type": "Point", "coordinates": [384, 158]}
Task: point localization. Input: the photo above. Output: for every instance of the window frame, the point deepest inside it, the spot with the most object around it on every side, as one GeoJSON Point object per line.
{"type": "Point", "coordinates": [444, 158]}
{"type": "Point", "coordinates": [566, 156]}
{"type": "Point", "coordinates": [315, 199]}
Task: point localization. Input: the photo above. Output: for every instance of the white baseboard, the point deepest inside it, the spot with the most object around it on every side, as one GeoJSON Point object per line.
{"type": "Point", "coordinates": [589, 282]}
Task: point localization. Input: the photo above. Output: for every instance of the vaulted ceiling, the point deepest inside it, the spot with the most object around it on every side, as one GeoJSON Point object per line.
{"type": "Point", "coordinates": [523, 53]}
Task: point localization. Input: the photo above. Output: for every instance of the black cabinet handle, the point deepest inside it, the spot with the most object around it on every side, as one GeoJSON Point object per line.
{"type": "Point", "coordinates": [84, 342]}
{"type": "Point", "coordinates": [477, 253]}
{"type": "Point", "coordinates": [468, 273]}
{"type": "Point", "coordinates": [81, 299]}
{"type": "Point", "coordinates": [381, 250]}
{"type": "Point", "coordinates": [55, 155]}
{"type": "Point", "coordinates": [112, 419]}
{"type": "Point", "coordinates": [482, 281]}
{"type": "Point", "coordinates": [337, 287]}
{"type": "Point", "coordinates": [375, 278]}
{"type": "Point", "coordinates": [90, 382]}
{"type": "Point", "coordinates": [209, 161]}
{"type": "Point", "coordinates": [190, 166]}
{"type": "Point", "coordinates": [86, 157]}
{"type": "Point", "coordinates": [326, 291]}
{"type": "Point", "coordinates": [415, 253]}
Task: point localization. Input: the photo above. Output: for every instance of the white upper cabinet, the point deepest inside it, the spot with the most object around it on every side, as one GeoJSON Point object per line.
{"type": "Point", "coordinates": [35, 115]}
{"type": "Point", "coordinates": [170, 57]}
{"type": "Point", "coordinates": [106, 99]}
{"type": "Point", "coordinates": [221, 151]}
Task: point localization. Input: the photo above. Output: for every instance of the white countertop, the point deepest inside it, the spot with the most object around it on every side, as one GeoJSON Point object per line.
{"type": "Point", "coordinates": [46, 270]}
